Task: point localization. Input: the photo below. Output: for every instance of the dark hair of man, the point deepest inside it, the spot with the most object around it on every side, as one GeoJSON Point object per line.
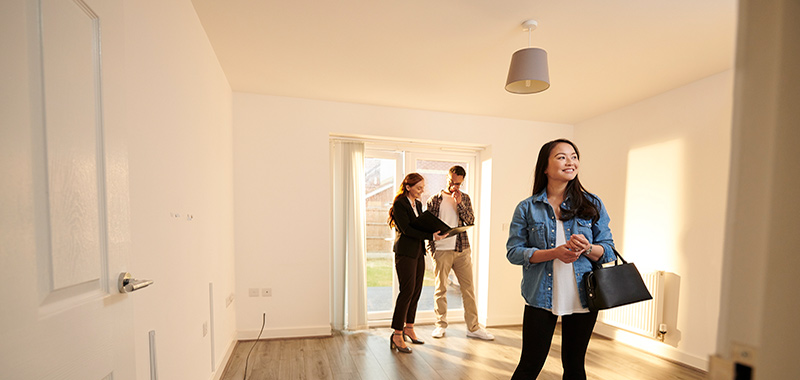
{"type": "Point", "coordinates": [458, 170]}
{"type": "Point", "coordinates": [579, 203]}
{"type": "Point", "coordinates": [411, 180]}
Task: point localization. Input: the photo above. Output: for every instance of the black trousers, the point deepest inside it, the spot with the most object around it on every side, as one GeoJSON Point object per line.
{"type": "Point", "coordinates": [410, 273]}
{"type": "Point", "coordinates": [538, 326]}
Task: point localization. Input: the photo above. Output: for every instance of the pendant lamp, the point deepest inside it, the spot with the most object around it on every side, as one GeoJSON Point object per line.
{"type": "Point", "coordinates": [528, 73]}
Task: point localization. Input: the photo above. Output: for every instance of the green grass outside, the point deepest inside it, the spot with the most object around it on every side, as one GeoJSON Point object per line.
{"type": "Point", "coordinates": [379, 273]}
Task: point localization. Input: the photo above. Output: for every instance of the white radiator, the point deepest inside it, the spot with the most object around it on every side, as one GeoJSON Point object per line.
{"type": "Point", "coordinates": [642, 317]}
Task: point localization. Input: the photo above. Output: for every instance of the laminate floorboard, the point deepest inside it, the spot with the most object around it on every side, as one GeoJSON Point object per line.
{"type": "Point", "coordinates": [365, 355]}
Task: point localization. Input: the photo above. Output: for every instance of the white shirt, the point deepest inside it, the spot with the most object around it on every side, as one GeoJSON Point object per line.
{"type": "Point", "coordinates": [448, 213]}
{"type": "Point", "coordinates": [565, 286]}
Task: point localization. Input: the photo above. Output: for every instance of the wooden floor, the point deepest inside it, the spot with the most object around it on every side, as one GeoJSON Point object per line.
{"type": "Point", "coordinates": [365, 355]}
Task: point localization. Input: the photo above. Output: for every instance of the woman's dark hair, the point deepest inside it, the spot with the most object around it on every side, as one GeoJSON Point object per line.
{"type": "Point", "coordinates": [579, 203]}
{"type": "Point", "coordinates": [411, 180]}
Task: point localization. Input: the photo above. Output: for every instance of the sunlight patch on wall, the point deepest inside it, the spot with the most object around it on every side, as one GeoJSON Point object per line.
{"type": "Point", "coordinates": [654, 202]}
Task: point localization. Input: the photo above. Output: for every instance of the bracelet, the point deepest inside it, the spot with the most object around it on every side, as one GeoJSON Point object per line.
{"type": "Point", "coordinates": [588, 251]}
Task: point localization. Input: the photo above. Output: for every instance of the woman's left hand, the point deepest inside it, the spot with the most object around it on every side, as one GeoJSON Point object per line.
{"type": "Point", "coordinates": [578, 243]}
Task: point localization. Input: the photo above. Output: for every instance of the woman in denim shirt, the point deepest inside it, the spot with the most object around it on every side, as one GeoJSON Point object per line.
{"type": "Point", "coordinates": [553, 235]}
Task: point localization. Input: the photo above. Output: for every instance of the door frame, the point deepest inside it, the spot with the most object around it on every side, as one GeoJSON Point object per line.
{"type": "Point", "coordinates": [410, 152]}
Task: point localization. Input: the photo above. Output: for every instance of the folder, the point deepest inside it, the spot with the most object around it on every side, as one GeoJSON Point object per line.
{"type": "Point", "coordinates": [428, 222]}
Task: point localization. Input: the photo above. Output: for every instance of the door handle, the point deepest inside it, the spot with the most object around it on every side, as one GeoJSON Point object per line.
{"type": "Point", "coordinates": [128, 284]}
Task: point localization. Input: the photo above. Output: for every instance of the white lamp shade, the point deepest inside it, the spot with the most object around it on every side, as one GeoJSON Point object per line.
{"type": "Point", "coordinates": [528, 73]}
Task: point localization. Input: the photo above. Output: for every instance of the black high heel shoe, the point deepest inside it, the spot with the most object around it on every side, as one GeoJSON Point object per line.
{"type": "Point", "coordinates": [415, 341]}
{"type": "Point", "coordinates": [393, 345]}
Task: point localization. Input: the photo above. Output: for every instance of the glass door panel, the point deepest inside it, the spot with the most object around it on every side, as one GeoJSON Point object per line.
{"type": "Point", "coordinates": [384, 171]}
{"type": "Point", "coordinates": [434, 168]}
{"type": "Point", "coordinates": [381, 183]}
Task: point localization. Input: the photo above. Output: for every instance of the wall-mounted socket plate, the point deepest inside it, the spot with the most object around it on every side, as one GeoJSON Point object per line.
{"type": "Point", "coordinates": [720, 368]}
{"type": "Point", "coordinates": [744, 354]}
{"type": "Point", "coordinates": [252, 292]}
{"type": "Point", "coordinates": [266, 292]}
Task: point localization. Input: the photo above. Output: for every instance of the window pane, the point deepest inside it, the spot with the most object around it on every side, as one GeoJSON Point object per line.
{"type": "Point", "coordinates": [380, 187]}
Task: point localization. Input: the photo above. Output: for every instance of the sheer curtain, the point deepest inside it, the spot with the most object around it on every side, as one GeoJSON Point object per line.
{"type": "Point", "coordinates": [349, 290]}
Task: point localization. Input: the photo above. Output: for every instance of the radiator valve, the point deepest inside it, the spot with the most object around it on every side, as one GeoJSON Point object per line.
{"type": "Point", "coordinates": [662, 331]}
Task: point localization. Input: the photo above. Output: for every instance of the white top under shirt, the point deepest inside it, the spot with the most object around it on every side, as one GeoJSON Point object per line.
{"type": "Point", "coordinates": [565, 287]}
{"type": "Point", "coordinates": [448, 213]}
{"type": "Point", "coordinates": [413, 206]}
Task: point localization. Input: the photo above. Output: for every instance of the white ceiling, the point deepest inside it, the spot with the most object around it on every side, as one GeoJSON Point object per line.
{"type": "Point", "coordinates": [453, 55]}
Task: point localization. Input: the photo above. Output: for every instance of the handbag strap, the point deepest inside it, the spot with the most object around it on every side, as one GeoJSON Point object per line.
{"type": "Point", "coordinates": [596, 265]}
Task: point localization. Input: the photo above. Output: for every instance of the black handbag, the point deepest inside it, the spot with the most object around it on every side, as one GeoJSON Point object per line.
{"type": "Point", "coordinates": [617, 285]}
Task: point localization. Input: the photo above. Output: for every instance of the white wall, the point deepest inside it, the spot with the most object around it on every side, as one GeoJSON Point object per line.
{"type": "Point", "coordinates": [661, 167]}
{"type": "Point", "coordinates": [283, 205]}
{"type": "Point", "coordinates": [179, 115]}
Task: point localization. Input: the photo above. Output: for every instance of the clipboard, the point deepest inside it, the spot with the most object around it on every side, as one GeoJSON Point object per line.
{"type": "Point", "coordinates": [427, 222]}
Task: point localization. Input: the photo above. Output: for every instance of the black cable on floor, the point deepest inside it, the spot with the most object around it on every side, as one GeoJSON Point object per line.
{"type": "Point", "coordinates": [263, 322]}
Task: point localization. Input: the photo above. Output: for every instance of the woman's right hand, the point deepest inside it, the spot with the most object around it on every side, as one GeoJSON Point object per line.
{"type": "Point", "coordinates": [438, 236]}
{"type": "Point", "coordinates": [564, 254]}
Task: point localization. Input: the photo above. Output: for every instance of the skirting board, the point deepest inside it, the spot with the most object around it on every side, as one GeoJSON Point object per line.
{"type": "Point", "coordinates": [652, 346]}
{"type": "Point", "coordinates": [495, 322]}
{"type": "Point", "coordinates": [509, 320]}
{"type": "Point", "coordinates": [300, 332]}
{"type": "Point", "coordinates": [217, 375]}
{"type": "Point", "coordinates": [388, 322]}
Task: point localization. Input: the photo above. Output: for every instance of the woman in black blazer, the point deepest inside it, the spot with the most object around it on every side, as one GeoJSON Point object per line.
{"type": "Point", "coordinates": [409, 259]}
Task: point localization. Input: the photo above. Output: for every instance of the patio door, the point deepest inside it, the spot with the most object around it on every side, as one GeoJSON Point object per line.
{"type": "Point", "coordinates": [384, 171]}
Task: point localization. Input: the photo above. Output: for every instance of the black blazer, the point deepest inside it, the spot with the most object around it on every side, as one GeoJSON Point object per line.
{"type": "Point", "coordinates": [408, 241]}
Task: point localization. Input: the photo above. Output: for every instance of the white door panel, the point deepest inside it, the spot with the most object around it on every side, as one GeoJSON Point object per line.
{"type": "Point", "coordinates": [75, 211]}
{"type": "Point", "coordinates": [65, 236]}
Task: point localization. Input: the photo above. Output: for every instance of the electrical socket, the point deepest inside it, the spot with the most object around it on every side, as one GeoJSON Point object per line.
{"type": "Point", "coordinates": [744, 354]}
{"type": "Point", "coordinates": [252, 292]}
{"type": "Point", "coordinates": [266, 292]}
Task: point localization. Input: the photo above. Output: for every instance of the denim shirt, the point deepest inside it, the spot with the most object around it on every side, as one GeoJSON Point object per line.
{"type": "Point", "coordinates": [533, 227]}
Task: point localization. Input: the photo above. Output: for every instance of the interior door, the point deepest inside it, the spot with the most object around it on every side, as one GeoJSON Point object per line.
{"type": "Point", "coordinates": [64, 230]}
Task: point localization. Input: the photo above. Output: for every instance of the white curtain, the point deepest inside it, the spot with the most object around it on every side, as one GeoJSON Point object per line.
{"type": "Point", "coordinates": [349, 290]}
